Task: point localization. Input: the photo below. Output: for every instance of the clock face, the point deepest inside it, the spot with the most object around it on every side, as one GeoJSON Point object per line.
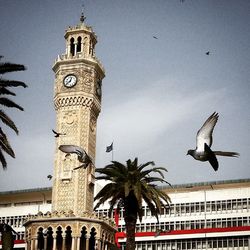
{"type": "Point", "coordinates": [70, 81]}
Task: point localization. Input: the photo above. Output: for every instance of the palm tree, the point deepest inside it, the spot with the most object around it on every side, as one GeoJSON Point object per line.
{"type": "Point", "coordinates": [6, 102]}
{"type": "Point", "coordinates": [128, 185]}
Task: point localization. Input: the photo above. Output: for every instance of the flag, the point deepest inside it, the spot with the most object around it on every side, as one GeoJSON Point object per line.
{"type": "Point", "coordinates": [109, 148]}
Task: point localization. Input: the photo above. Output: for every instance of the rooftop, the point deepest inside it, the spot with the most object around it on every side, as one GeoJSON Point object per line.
{"type": "Point", "coordinates": [187, 186]}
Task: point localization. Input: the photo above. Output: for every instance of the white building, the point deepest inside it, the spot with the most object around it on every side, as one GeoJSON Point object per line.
{"type": "Point", "coordinates": [213, 215]}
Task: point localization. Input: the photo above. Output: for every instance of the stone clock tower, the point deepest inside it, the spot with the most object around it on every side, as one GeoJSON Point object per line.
{"type": "Point", "coordinates": [72, 224]}
{"type": "Point", "coordinates": [77, 100]}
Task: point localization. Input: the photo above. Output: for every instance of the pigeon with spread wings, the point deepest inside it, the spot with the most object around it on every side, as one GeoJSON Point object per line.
{"type": "Point", "coordinates": [204, 141]}
{"type": "Point", "coordinates": [81, 154]}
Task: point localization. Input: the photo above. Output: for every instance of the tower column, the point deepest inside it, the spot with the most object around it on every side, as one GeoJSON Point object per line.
{"type": "Point", "coordinates": [98, 243]}
{"type": "Point", "coordinates": [54, 241]}
{"type": "Point", "coordinates": [63, 241]}
{"type": "Point", "coordinates": [36, 243]}
{"type": "Point", "coordinates": [45, 242]}
{"type": "Point", "coordinates": [87, 242]}
{"type": "Point", "coordinates": [33, 243]}
{"type": "Point", "coordinates": [67, 50]}
{"type": "Point", "coordinates": [78, 243]}
{"type": "Point", "coordinates": [73, 243]}
{"type": "Point", "coordinates": [75, 47]}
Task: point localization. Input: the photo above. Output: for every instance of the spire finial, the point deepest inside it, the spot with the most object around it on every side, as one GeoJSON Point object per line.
{"type": "Point", "coordinates": [82, 18]}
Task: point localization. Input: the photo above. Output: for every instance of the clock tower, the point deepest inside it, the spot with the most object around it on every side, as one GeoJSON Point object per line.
{"type": "Point", "coordinates": [72, 224]}
{"type": "Point", "coordinates": [77, 100]}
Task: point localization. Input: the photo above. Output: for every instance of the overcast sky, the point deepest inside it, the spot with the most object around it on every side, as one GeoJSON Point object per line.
{"type": "Point", "coordinates": [156, 94]}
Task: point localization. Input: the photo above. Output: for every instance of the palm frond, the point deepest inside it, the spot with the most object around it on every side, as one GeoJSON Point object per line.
{"type": "Point", "coordinates": [111, 172]}
{"type": "Point", "coordinates": [114, 200]}
{"type": "Point", "coordinates": [4, 144]}
{"type": "Point", "coordinates": [2, 160]}
{"type": "Point", "coordinates": [10, 67]}
{"type": "Point", "coordinates": [104, 192]}
{"type": "Point", "coordinates": [10, 104]}
{"type": "Point", "coordinates": [5, 91]}
{"type": "Point", "coordinates": [142, 166]}
{"type": "Point", "coordinates": [158, 170]}
{"type": "Point", "coordinates": [102, 177]}
{"type": "Point", "coordinates": [155, 179]}
{"type": "Point", "coordinates": [6, 120]}
{"type": "Point", "coordinates": [12, 83]}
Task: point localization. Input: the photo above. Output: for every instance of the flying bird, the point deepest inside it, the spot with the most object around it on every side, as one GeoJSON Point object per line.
{"type": "Point", "coordinates": [81, 154]}
{"type": "Point", "coordinates": [207, 53]}
{"type": "Point", "coordinates": [204, 141]}
{"type": "Point", "coordinates": [56, 133]}
{"type": "Point", "coordinates": [49, 177]}
{"type": "Point", "coordinates": [155, 37]}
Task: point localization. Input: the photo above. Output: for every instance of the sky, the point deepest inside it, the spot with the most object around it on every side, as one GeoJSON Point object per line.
{"type": "Point", "coordinates": [156, 94]}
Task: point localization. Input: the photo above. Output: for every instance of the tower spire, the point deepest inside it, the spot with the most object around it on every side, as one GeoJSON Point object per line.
{"type": "Point", "coordinates": [82, 18]}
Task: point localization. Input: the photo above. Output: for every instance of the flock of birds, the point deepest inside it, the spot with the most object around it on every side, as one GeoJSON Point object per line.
{"type": "Point", "coordinates": [82, 156]}
{"type": "Point", "coordinates": [207, 53]}
{"type": "Point", "coordinates": [204, 140]}
{"type": "Point", "coordinates": [202, 152]}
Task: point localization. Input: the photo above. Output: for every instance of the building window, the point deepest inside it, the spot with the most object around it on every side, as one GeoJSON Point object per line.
{"type": "Point", "coordinates": [68, 238]}
{"type": "Point", "coordinates": [79, 44]}
{"type": "Point", "coordinates": [72, 46]}
{"type": "Point", "coordinates": [40, 239]}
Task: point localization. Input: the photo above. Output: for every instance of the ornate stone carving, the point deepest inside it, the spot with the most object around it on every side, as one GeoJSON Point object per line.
{"type": "Point", "coordinates": [72, 101]}
{"type": "Point", "coordinates": [87, 78]}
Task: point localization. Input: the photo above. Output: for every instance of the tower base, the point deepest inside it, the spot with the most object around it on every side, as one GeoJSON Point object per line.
{"type": "Point", "coordinates": [66, 231]}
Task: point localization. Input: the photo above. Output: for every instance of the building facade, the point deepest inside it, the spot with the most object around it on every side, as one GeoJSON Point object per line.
{"type": "Point", "coordinates": [214, 215]}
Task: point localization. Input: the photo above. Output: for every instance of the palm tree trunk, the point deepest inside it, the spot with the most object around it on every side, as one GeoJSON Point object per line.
{"type": "Point", "coordinates": [130, 233]}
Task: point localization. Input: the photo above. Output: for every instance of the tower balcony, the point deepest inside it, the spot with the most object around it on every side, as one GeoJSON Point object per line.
{"type": "Point", "coordinates": [71, 59]}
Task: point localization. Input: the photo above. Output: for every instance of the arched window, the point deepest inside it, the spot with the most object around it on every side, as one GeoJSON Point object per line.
{"type": "Point", "coordinates": [83, 239]}
{"type": "Point", "coordinates": [79, 44]}
{"type": "Point", "coordinates": [92, 239]}
{"type": "Point", "coordinates": [49, 238]}
{"type": "Point", "coordinates": [68, 238]}
{"type": "Point", "coordinates": [72, 46]}
{"type": "Point", "coordinates": [59, 238]}
{"type": "Point", "coordinates": [40, 239]}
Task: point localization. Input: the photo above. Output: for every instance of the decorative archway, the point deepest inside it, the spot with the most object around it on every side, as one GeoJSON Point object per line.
{"type": "Point", "coordinates": [92, 240]}
{"type": "Point", "coordinates": [40, 239]}
{"type": "Point", "coordinates": [83, 238]}
{"type": "Point", "coordinates": [59, 238]}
